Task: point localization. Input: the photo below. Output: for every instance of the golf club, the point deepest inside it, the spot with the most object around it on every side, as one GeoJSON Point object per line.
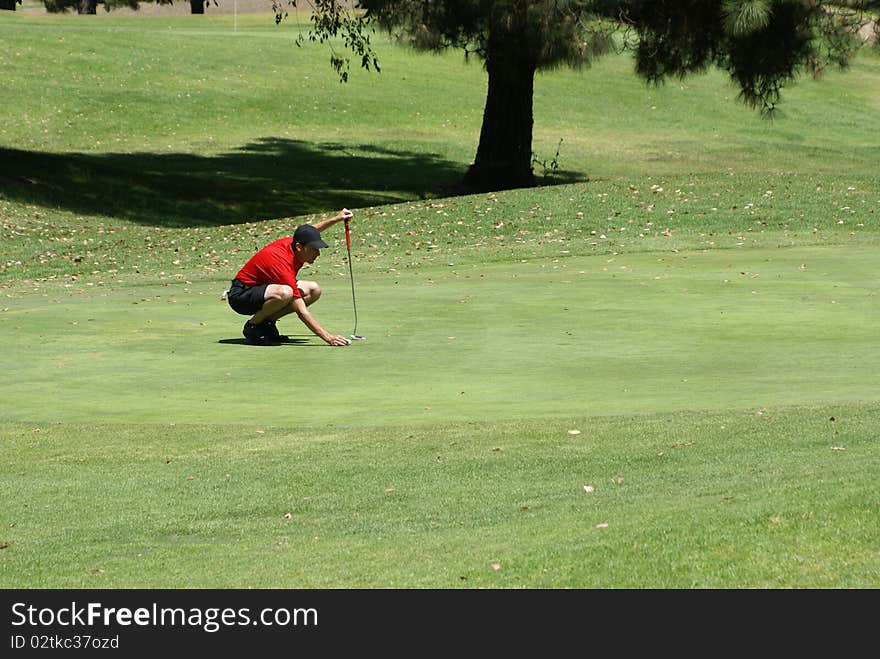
{"type": "Point", "coordinates": [354, 334]}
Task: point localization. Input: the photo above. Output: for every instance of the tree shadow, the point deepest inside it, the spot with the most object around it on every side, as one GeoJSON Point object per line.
{"type": "Point", "coordinates": [266, 179]}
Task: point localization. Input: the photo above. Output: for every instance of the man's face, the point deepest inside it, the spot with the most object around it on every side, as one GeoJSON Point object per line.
{"type": "Point", "coordinates": [307, 253]}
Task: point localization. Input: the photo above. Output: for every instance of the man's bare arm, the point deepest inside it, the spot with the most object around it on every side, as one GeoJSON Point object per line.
{"type": "Point", "coordinates": [344, 214]}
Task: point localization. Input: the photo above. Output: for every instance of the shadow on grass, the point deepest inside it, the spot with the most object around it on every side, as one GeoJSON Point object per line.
{"type": "Point", "coordinates": [289, 341]}
{"type": "Point", "coordinates": [267, 179]}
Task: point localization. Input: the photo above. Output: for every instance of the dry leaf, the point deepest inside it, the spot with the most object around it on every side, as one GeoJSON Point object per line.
{"type": "Point", "coordinates": [603, 525]}
{"type": "Point", "coordinates": [574, 431]}
{"type": "Point", "coordinates": [838, 448]}
{"type": "Point", "coordinates": [588, 488]}
{"type": "Point", "coordinates": [288, 516]}
{"type": "Point", "coordinates": [496, 566]}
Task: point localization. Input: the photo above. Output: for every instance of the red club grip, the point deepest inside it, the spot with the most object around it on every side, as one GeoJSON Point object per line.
{"type": "Point", "coordinates": [347, 235]}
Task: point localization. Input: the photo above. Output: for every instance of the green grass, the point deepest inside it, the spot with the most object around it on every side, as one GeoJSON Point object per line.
{"type": "Point", "coordinates": [690, 500]}
{"type": "Point", "coordinates": [696, 294]}
{"type": "Point", "coordinates": [186, 122]}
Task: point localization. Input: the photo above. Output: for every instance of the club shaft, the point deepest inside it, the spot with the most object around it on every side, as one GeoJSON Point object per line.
{"type": "Point", "coordinates": [351, 279]}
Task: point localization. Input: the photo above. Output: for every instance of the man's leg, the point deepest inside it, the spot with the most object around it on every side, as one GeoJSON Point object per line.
{"type": "Point", "coordinates": [260, 329]}
{"type": "Point", "coordinates": [310, 291]}
{"type": "Point", "coordinates": [276, 303]}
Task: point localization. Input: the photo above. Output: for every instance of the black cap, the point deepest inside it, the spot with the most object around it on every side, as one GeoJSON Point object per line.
{"type": "Point", "coordinates": [306, 234]}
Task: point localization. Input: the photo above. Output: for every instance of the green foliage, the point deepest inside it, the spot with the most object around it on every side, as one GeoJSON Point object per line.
{"type": "Point", "coordinates": [744, 16]}
{"type": "Point", "coordinates": [550, 32]}
{"type": "Point", "coordinates": [762, 44]}
{"type": "Point", "coordinates": [549, 169]}
{"type": "Point", "coordinates": [333, 20]}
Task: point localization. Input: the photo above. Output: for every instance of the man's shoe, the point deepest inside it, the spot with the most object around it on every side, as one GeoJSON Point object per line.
{"type": "Point", "coordinates": [273, 333]}
{"type": "Point", "coordinates": [257, 334]}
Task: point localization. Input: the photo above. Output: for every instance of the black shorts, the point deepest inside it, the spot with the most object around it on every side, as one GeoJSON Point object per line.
{"type": "Point", "coordinates": [244, 299]}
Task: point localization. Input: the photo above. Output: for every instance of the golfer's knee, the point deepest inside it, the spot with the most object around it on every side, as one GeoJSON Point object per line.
{"type": "Point", "coordinates": [310, 290]}
{"type": "Point", "coordinates": [280, 293]}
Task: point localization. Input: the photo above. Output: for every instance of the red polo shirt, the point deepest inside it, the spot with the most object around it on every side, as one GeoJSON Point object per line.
{"type": "Point", "coordinates": [276, 263]}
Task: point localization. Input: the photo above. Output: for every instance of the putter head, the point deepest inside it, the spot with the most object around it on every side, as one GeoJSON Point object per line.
{"type": "Point", "coordinates": [358, 337]}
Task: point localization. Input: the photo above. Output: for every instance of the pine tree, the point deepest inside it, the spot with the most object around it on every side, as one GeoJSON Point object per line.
{"type": "Point", "coordinates": [514, 39]}
{"type": "Point", "coordinates": [762, 44]}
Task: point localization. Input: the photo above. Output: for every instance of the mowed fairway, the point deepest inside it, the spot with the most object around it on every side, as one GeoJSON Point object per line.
{"type": "Point", "coordinates": [666, 376]}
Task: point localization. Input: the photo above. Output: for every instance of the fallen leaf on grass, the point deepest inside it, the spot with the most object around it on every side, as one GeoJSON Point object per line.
{"type": "Point", "coordinates": [288, 516]}
{"type": "Point", "coordinates": [97, 570]}
{"type": "Point", "coordinates": [602, 525]}
{"type": "Point", "coordinates": [5, 544]}
{"type": "Point", "coordinates": [496, 566]}
{"type": "Point", "coordinates": [838, 448]}
{"type": "Point", "coordinates": [574, 431]}
{"type": "Point", "coordinates": [588, 488]}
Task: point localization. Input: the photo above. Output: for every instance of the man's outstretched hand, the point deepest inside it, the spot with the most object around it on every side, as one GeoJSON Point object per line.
{"type": "Point", "coordinates": [338, 340]}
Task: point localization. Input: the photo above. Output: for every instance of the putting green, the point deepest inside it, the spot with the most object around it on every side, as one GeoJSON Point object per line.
{"type": "Point", "coordinates": [597, 335]}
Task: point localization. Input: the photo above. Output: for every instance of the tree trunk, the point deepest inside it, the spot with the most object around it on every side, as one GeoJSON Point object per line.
{"type": "Point", "coordinates": [197, 6]}
{"type": "Point", "coordinates": [8, 4]}
{"type": "Point", "coordinates": [88, 7]}
{"type": "Point", "coordinates": [504, 155]}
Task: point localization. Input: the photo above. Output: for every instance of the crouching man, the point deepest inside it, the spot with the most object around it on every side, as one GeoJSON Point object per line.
{"type": "Point", "coordinates": [267, 288]}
